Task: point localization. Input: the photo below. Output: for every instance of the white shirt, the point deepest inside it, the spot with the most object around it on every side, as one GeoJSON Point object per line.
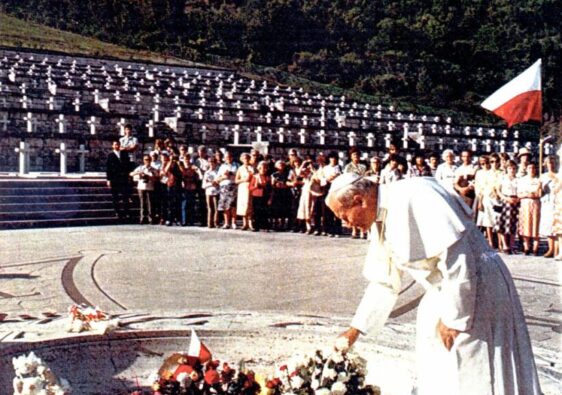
{"type": "Point", "coordinates": [145, 184]}
{"type": "Point", "coordinates": [207, 185]}
{"type": "Point", "coordinates": [445, 174]}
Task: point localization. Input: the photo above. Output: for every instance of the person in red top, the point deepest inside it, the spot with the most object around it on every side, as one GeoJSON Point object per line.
{"type": "Point", "coordinates": [260, 190]}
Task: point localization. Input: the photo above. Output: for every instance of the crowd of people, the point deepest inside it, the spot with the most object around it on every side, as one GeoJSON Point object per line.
{"type": "Point", "coordinates": [512, 203]}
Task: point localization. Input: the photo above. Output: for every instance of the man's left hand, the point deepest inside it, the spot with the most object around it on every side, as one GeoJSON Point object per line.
{"type": "Point", "coordinates": [448, 335]}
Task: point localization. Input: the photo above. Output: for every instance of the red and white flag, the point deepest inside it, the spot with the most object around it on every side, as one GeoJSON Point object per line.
{"type": "Point", "coordinates": [520, 99]}
{"type": "Point", "coordinates": [198, 349]}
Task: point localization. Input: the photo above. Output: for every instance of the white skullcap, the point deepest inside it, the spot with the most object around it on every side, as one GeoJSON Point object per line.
{"type": "Point", "coordinates": [344, 180]}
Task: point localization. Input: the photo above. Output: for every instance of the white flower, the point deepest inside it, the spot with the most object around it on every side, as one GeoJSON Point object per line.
{"type": "Point", "coordinates": [337, 357]}
{"type": "Point", "coordinates": [342, 343]}
{"type": "Point", "coordinates": [329, 373]}
{"type": "Point", "coordinates": [338, 388]}
{"type": "Point", "coordinates": [322, 391]}
{"type": "Point", "coordinates": [315, 384]}
{"type": "Point", "coordinates": [297, 382]}
{"type": "Point", "coordinates": [343, 377]}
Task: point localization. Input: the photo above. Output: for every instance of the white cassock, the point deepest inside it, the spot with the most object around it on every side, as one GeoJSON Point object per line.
{"type": "Point", "coordinates": [428, 233]}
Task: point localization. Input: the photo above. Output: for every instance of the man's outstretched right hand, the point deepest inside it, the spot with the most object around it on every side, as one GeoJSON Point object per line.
{"type": "Point", "coordinates": [346, 339]}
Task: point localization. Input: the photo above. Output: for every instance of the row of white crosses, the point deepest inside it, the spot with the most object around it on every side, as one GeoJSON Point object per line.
{"type": "Point", "coordinates": [24, 157]}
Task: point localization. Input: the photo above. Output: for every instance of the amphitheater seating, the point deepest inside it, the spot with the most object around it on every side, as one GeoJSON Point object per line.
{"type": "Point", "coordinates": [50, 99]}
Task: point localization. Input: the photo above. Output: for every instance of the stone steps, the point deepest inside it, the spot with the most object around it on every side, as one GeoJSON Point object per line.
{"type": "Point", "coordinates": [55, 202]}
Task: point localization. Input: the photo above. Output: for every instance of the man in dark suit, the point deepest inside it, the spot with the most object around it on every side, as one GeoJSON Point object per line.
{"type": "Point", "coordinates": [117, 171]}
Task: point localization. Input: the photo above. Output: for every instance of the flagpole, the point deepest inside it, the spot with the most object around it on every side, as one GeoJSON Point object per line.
{"type": "Point", "coordinates": [540, 150]}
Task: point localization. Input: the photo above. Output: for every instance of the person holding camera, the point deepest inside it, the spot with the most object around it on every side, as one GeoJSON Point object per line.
{"type": "Point", "coordinates": [145, 175]}
{"type": "Point", "coordinates": [227, 195]}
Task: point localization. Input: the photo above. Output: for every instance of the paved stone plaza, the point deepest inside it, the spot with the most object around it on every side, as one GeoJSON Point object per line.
{"type": "Point", "coordinates": [278, 286]}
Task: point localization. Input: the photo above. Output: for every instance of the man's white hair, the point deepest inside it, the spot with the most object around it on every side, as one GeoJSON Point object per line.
{"type": "Point", "coordinates": [446, 153]}
{"type": "Point", "coordinates": [347, 185]}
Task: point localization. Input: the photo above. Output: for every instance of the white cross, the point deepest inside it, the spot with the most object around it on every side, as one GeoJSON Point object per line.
{"type": "Point", "coordinates": [302, 135]}
{"type": "Point", "coordinates": [240, 115]}
{"type": "Point", "coordinates": [480, 132]}
{"type": "Point", "coordinates": [52, 87]}
{"type": "Point", "coordinates": [281, 135]}
{"type": "Point", "coordinates": [62, 123]}
{"type": "Point", "coordinates": [421, 141]}
{"type": "Point", "coordinates": [156, 114]}
{"type": "Point", "coordinates": [82, 151]}
{"type": "Point", "coordinates": [502, 146]}
{"type": "Point", "coordinates": [440, 144]}
{"type": "Point", "coordinates": [473, 145]}
{"type": "Point", "coordinates": [488, 145]}
{"type": "Point", "coordinates": [448, 129]}
{"type": "Point", "coordinates": [137, 97]}
{"type": "Point", "coordinates": [304, 120]}
{"type": "Point", "coordinates": [5, 122]}
{"type": "Point", "coordinates": [76, 103]}
{"type": "Point", "coordinates": [150, 126]}
{"type": "Point", "coordinates": [406, 129]}
{"type": "Point", "coordinates": [25, 102]}
{"type": "Point", "coordinates": [220, 115]}
{"type": "Point", "coordinates": [268, 117]}
{"type": "Point", "coordinates": [492, 133]}
{"type": "Point", "coordinates": [387, 140]}
{"type": "Point", "coordinates": [455, 144]}
{"type": "Point", "coordinates": [23, 152]}
{"type": "Point", "coordinates": [390, 126]}
{"type": "Point", "coordinates": [434, 128]}
{"type": "Point", "coordinates": [62, 151]}
{"type": "Point", "coordinates": [92, 123]}
{"type": "Point", "coordinates": [258, 134]}
{"type": "Point", "coordinates": [176, 100]}
{"type": "Point", "coordinates": [515, 147]}
{"type": "Point", "coordinates": [121, 125]}
{"type": "Point", "coordinates": [351, 136]}
{"type": "Point", "coordinates": [322, 137]}
{"type": "Point", "coordinates": [370, 140]}
{"type": "Point", "coordinates": [287, 119]}
{"type": "Point", "coordinates": [203, 133]}
{"type": "Point", "coordinates": [203, 102]}
{"type": "Point", "coordinates": [96, 96]}
{"type": "Point", "coordinates": [23, 89]}
{"type": "Point", "coordinates": [199, 113]}
{"type": "Point", "coordinates": [177, 112]}
{"type": "Point", "coordinates": [236, 135]}
{"type": "Point", "coordinates": [117, 95]}
{"type": "Point", "coordinates": [31, 123]}
{"type": "Point", "coordinates": [466, 130]}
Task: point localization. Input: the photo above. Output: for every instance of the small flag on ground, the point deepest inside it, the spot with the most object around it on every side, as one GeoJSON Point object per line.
{"type": "Point", "coordinates": [520, 99]}
{"type": "Point", "coordinates": [198, 349]}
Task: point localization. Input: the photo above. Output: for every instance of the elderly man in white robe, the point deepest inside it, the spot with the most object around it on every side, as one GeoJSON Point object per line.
{"type": "Point", "coordinates": [471, 332]}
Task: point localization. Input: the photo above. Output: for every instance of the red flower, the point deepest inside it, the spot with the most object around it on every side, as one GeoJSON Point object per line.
{"type": "Point", "coordinates": [283, 368]}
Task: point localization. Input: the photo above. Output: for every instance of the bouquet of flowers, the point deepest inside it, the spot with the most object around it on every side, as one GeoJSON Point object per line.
{"type": "Point", "coordinates": [88, 318]}
{"type": "Point", "coordinates": [321, 373]}
{"type": "Point", "coordinates": [33, 377]}
{"type": "Point", "coordinates": [191, 377]}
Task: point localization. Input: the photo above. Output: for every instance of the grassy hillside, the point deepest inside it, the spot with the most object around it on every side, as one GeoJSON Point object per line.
{"type": "Point", "coordinates": [23, 34]}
